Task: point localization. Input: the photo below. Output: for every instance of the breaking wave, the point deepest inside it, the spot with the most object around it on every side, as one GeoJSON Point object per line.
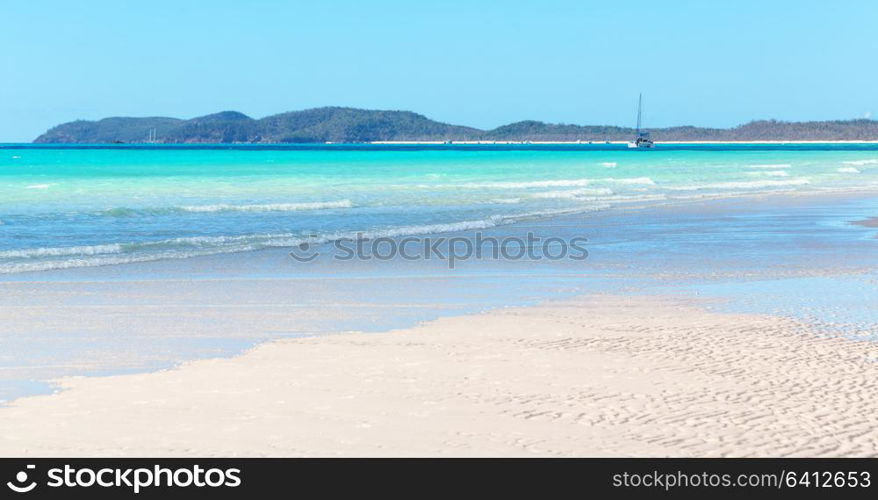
{"type": "Point", "coordinates": [742, 185]}
{"type": "Point", "coordinates": [540, 184]}
{"type": "Point", "coordinates": [771, 173]}
{"type": "Point", "coordinates": [269, 207]}
{"type": "Point", "coordinates": [574, 193]}
{"type": "Point", "coordinates": [225, 207]}
{"type": "Point", "coordinates": [24, 260]}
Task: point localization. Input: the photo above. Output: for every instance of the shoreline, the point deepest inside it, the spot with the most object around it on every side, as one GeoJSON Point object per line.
{"type": "Point", "coordinates": [592, 376]}
{"type": "Point", "coordinates": [183, 145]}
{"type": "Point", "coordinates": [536, 143]}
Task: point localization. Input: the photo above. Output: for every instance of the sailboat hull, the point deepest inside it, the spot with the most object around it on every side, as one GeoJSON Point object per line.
{"type": "Point", "coordinates": [641, 144]}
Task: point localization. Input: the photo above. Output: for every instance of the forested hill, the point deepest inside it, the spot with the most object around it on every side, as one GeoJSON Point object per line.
{"type": "Point", "coordinates": [336, 124]}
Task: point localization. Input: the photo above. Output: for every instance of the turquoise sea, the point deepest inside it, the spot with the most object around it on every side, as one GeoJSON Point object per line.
{"type": "Point", "coordinates": [131, 259]}
{"type": "Point", "coordinates": [75, 207]}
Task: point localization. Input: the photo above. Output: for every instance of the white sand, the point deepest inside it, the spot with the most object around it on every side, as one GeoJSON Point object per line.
{"type": "Point", "coordinates": [603, 376]}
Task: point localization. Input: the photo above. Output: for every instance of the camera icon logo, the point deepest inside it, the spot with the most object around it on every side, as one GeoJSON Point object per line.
{"type": "Point", "coordinates": [21, 478]}
{"type": "Point", "coordinates": [304, 252]}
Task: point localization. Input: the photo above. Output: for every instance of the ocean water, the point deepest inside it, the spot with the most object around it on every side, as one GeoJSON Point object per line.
{"type": "Point", "coordinates": [120, 260]}
{"type": "Point", "coordinates": [78, 207]}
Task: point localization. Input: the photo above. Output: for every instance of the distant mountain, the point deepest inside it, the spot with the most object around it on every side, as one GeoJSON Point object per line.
{"type": "Point", "coordinates": [530, 130]}
{"type": "Point", "coordinates": [841, 130]}
{"type": "Point", "coordinates": [223, 127]}
{"type": "Point", "coordinates": [357, 125]}
{"type": "Point", "coordinates": [762, 130]}
{"type": "Point", "coordinates": [336, 124]}
{"type": "Point", "coordinates": [109, 130]}
{"type": "Point", "coordinates": [313, 125]}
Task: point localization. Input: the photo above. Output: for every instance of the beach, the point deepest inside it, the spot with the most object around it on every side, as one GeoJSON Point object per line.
{"type": "Point", "coordinates": [196, 303]}
{"type": "Point", "coordinates": [244, 245]}
{"type": "Point", "coordinates": [593, 376]}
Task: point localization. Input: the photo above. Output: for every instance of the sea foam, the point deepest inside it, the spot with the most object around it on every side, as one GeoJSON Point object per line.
{"type": "Point", "coordinates": [537, 184]}
{"type": "Point", "coordinates": [29, 253]}
{"type": "Point", "coordinates": [770, 173]}
{"type": "Point", "coordinates": [860, 163]}
{"type": "Point", "coordinates": [226, 207]}
{"type": "Point", "coordinates": [630, 180]}
{"type": "Point", "coordinates": [742, 184]}
{"type": "Point", "coordinates": [574, 193]}
{"type": "Point", "coordinates": [24, 260]}
{"type": "Point", "coordinates": [268, 207]}
{"type": "Point", "coordinates": [520, 185]}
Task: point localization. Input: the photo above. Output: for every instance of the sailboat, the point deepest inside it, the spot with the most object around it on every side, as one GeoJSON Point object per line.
{"type": "Point", "coordinates": [642, 140]}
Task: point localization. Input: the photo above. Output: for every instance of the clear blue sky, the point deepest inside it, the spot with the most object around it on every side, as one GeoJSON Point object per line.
{"type": "Point", "coordinates": [479, 63]}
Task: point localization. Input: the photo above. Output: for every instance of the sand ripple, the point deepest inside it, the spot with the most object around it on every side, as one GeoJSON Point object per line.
{"type": "Point", "coordinates": [603, 376]}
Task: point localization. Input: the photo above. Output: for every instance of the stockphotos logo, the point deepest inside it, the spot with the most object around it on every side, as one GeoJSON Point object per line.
{"type": "Point", "coordinates": [131, 479]}
{"type": "Point", "coordinates": [21, 484]}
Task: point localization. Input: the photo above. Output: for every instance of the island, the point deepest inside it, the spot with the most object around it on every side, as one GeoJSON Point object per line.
{"type": "Point", "coordinates": [352, 125]}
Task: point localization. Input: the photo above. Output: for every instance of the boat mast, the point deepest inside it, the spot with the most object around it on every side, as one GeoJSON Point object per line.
{"type": "Point", "coordinates": [639, 104]}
